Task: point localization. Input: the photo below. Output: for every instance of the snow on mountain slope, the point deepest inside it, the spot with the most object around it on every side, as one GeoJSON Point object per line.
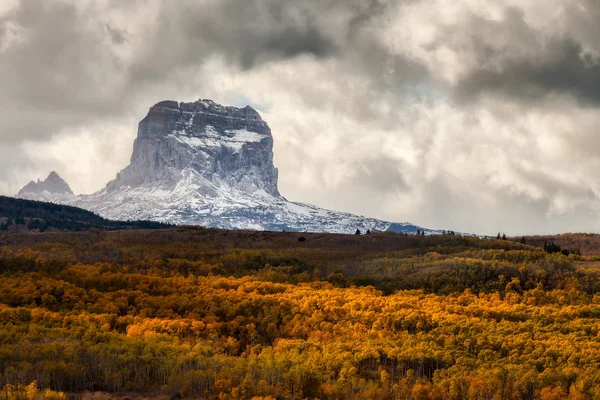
{"type": "Point", "coordinates": [201, 163]}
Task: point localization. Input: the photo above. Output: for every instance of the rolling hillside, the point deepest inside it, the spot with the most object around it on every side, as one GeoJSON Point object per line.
{"type": "Point", "coordinates": [18, 215]}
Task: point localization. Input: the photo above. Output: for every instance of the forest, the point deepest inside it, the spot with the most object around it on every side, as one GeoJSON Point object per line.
{"type": "Point", "coordinates": [19, 215]}
{"type": "Point", "coordinates": [209, 314]}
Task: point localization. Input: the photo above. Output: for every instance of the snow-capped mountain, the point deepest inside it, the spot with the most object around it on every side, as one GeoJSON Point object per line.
{"type": "Point", "coordinates": [201, 163]}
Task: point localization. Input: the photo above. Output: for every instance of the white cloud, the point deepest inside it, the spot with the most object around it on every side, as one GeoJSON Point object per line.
{"type": "Point", "coordinates": [87, 158]}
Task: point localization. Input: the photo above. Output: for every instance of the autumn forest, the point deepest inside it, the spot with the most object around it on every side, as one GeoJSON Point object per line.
{"type": "Point", "coordinates": [190, 312]}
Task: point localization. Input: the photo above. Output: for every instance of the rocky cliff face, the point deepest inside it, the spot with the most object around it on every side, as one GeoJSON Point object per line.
{"type": "Point", "coordinates": [226, 144]}
{"type": "Point", "coordinates": [205, 164]}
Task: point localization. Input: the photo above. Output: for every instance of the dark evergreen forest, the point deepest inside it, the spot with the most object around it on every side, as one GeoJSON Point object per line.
{"type": "Point", "coordinates": [19, 215]}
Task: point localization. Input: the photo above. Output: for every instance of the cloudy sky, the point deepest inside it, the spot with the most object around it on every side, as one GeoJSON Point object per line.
{"type": "Point", "coordinates": [471, 115]}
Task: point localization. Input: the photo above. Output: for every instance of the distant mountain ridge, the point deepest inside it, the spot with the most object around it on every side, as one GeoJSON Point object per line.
{"type": "Point", "coordinates": [53, 184]}
{"type": "Point", "coordinates": [202, 163]}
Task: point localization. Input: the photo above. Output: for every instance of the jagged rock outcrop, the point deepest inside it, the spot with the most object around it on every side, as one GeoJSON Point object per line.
{"type": "Point", "coordinates": [202, 163]}
{"type": "Point", "coordinates": [51, 186]}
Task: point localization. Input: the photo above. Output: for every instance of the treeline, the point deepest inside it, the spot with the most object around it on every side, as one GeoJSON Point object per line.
{"type": "Point", "coordinates": [479, 271]}
{"type": "Point", "coordinates": [424, 265]}
{"type": "Point", "coordinates": [19, 214]}
{"type": "Point", "coordinates": [577, 243]}
{"type": "Point", "coordinates": [29, 392]}
{"type": "Point", "coordinates": [205, 314]}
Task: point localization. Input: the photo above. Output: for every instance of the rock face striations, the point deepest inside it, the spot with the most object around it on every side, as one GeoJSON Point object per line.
{"type": "Point", "coordinates": [226, 144]}
{"type": "Point", "coordinates": [202, 163]}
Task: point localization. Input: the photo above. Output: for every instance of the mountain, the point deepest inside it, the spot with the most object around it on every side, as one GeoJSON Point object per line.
{"type": "Point", "coordinates": [54, 185]}
{"type": "Point", "coordinates": [20, 214]}
{"type": "Point", "coordinates": [202, 163]}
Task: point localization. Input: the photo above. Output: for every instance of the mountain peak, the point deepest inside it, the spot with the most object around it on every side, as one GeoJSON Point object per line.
{"type": "Point", "coordinates": [203, 163]}
{"type": "Point", "coordinates": [53, 185]}
{"type": "Point", "coordinates": [53, 176]}
{"type": "Point", "coordinates": [203, 105]}
{"type": "Point", "coordinates": [217, 145]}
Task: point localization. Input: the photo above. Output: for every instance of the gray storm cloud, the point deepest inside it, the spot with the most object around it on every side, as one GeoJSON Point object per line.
{"type": "Point", "coordinates": [474, 116]}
